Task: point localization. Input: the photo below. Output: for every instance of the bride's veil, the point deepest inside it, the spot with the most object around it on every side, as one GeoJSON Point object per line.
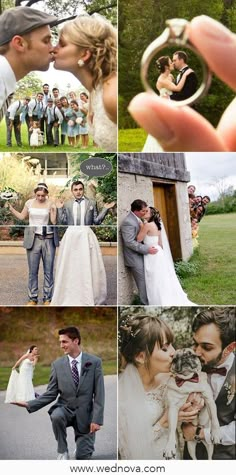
{"type": "Point", "coordinates": [165, 244]}
{"type": "Point", "coordinates": [135, 425]}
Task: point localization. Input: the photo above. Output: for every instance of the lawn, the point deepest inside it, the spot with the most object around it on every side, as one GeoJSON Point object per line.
{"type": "Point", "coordinates": [42, 373]}
{"type": "Point", "coordinates": [25, 146]}
{"type": "Point", "coordinates": [215, 258]}
{"type": "Point", "coordinates": [131, 140]}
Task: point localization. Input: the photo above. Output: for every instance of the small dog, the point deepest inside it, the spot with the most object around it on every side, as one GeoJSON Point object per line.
{"type": "Point", "coordinates": [188, 378]}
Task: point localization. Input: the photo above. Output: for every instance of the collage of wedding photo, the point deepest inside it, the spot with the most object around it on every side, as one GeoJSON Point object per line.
{"type": "Point", "coordinates": [117, 235]}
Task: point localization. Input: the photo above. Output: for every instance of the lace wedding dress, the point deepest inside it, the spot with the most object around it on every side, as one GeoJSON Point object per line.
{"type": "Point", "coordinates": [151, 145]}
{"type": "Point", "coordinates": [80, 273]}
{"type": "Point", "coordinates": [140, 436]}
{"type": "Point", "coordinates": [102, 129]}
{"type": "Point", "coordinates": [162, 284]}
{"type": "Point", "coordinates": [20, 385]}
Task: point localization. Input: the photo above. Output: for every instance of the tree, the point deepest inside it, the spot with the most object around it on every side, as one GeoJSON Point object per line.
{"type": "Point", "coordinates": [28, 86]}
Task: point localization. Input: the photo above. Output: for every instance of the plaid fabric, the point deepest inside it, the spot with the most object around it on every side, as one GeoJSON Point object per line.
{"type": "Point", "coordinates": [75, 373]}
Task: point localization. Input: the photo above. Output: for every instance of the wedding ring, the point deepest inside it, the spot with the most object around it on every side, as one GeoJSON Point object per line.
{"type": "Point", "coordinates": [175, 35]}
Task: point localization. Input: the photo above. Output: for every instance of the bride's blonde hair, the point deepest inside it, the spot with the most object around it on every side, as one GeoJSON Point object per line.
{"type": "Point", "coordinates": [96, 34]}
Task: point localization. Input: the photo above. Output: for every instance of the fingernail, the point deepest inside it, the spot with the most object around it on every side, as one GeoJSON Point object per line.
{"type": "Point", "coordinates": [212, 29]}
{"type": "Point", "coordinates": [145, 112]}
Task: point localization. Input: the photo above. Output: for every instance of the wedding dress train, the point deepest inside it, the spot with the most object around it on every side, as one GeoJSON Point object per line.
{"type": "Point", "coordinates": [80, 273]}
{"type": "Point", "coordinates": [20, 385]}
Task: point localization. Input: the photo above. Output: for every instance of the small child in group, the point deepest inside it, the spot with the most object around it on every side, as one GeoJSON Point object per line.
{"type": "Point", "coordinates": [36, 137]}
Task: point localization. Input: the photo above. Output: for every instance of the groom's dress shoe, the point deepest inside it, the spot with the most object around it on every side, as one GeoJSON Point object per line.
{"type": "Point", "coordinates": [31, 303]}
{"type": "Point", "coordinates": [47, 302]}
{"type": "Point", "coordinates": [64, 456]}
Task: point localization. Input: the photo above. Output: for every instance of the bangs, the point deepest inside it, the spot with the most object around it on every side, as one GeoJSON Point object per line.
{"type": "Point", "coordinates": [163, 333]}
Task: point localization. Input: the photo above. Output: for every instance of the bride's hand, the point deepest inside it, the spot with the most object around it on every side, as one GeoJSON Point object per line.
{"type": "Point", "coordinates": [187, 413]}
{"type": "Point", "coordinates": [179, 128]}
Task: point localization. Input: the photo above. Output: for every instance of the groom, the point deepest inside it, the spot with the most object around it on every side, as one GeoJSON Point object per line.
{"type": "Point", "coordinates": [78, 381]}
{"type": "Point", "coordinates": [133, 250]}
{"type": "Point", "coordinates": [180, 59]}
{"type": "Point", "coordinates": [214, 343]}
{"type": "Point", "coordinates": [80, 210]}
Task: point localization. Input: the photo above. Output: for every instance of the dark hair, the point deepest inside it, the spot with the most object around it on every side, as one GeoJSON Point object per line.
{"type": "Point", "coordinates": [140, 333]}
{"type": "Point", "coordinates": [155, 217]}
{"type": "Point", "coordinates": [55, 89]}
{"type": "Point", "coordinates": [208, 197]}
{"type": "Point", "coordinates": [223, 318]}
{"type": "Point", "coordinates": [64, 97]}
{"type": "Point", "coordinates": [75, 183]}
{"type": "Point", "coordinates": [74, 102]}
{"type": "Point", "coordinates": [84, 94]}
{"type": "Point", "coordinates": [31, 348]}
{"type": "Point", "coordinates": [41, 93]}
{"type": "Point", "coordinates": [41, 187]}
{"type": "Point", "coordinates": [137, 205]}
{"type": "Point", "coordinates": [46, 84]}
{"type": "Point", "coordinates": [71, 332]}
{"type": "Point", "coordinates": [182, 55]}
{"type": "Point", "coordinates": [162, 62]}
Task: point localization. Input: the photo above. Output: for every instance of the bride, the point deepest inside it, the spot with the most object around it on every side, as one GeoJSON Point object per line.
{"type": "Point", "coordinates": [80, 273]}
{"type": "Point", "coordinates": [20, 385]}
{"type": "Point", "coordinates": [162, 284]}
{"type": "Point", "coordinates": [146, 354]}
{"type": "Point", "coordinates": [88, 48]}
{"type": "Point", "coordinates": [166, 86]}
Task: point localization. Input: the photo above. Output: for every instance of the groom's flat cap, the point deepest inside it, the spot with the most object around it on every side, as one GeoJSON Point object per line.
{"type": "Point", "coordinates": [22, 20]}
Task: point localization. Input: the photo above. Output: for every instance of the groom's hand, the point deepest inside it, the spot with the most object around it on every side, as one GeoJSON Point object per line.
{"type": "Point", "coordinates": [152, 250]}
{"type": "Point", "coordinates": [94, 427]}
{"type": "Point", "coordinates": [21, 404]}
{"type": "Point", "coordinates": [179, 128]}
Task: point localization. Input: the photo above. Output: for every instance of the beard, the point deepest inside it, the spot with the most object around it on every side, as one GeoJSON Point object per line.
{"type": "Point", "coordinates": [212, 363]}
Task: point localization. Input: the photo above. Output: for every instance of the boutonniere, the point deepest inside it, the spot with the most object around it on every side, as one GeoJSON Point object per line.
{"type": "Point", "coordinates": [86, 367]}
{"type": "Point", "coordinates": [91, 207]}
{"type": "Point", "coordinates": [230, 389]}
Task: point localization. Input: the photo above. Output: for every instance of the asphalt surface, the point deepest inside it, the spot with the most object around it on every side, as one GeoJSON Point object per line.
{"type": "Point", "coordinates": [25, 436]}
{"type": "Point", "coordinates": [14, 279]}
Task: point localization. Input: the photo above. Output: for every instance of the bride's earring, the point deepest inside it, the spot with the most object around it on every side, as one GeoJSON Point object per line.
{"type": "Point", "coordinates": [81, 63]}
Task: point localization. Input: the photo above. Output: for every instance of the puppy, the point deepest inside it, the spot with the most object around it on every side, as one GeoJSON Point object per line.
{"type": "Point", "coordinates": [187, 378]}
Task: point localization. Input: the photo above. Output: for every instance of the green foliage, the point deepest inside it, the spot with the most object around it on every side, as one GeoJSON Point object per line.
{"type": "Point", "coordinates": [105, 233]}
{"type": "Point", "coordinates": [226, 204]}
{"type": "Point", "coordinates": [30, 85]}
{"type": "Point", "coordinates": [140, 23]}
{"type": "Point", "coordinates": [185, 269]}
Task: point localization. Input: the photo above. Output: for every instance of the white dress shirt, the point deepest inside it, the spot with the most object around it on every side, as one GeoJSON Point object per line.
{"type": "Point", "coordinates": [82, 211]}
{"type": "Point", "coordinates": [7, 81]}
{"type": "Point", "coordinates": [216, 381]}
{"type": "Point", "coordinates": [15, 109]}
{"type": "Point", "coordinates": [79, 362]}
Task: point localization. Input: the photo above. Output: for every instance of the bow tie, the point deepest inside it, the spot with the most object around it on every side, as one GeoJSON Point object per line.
{"type": "Point", "coordinates": [79, 200]}
{"type": "Point", "coordinates": [222, 371]}
{"type": "Point", "coordinates": [181, 381]}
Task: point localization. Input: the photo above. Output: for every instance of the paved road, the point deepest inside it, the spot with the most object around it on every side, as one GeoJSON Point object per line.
{"type": "Point", "coordinates": [14, 277]}
{"type": "Point", "coordinates": [25, 436]}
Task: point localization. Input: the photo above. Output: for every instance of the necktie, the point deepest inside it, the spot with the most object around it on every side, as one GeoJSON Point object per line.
{"type": "Point", "coordinates": [49, 116]}
{"type": "Point", "coordinates": [44, 231]}
{"type": "Point", "coordinates": [75, 373]}
{"type": "Point", "coordinates": [180, 381]}
{"type": "Point", "coordinates": [4, 108]}
{"type": "Point", "coordinates": [78, 200]}
{"type": "Point", "coordinates": [222, 371]}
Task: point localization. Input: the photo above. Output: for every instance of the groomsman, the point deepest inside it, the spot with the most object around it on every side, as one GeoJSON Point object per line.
{"type": "Point", "coordinates": [54, 118]}
{"type": "Point", "coordinates": [17, 113]}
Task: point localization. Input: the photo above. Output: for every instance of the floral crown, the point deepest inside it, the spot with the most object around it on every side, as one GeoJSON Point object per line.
{"type": "Point", "coordinates": [128, 330]}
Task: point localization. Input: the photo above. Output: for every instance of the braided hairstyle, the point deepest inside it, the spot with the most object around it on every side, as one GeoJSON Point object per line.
{"type": "Point", "coordinates": [141, 333]}
{"type": "Point", "coordinates": [96, 34]}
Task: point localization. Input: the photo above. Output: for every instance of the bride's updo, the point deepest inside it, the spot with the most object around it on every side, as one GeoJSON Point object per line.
{"type": "Point", "coordinates": [155, 217]}
{"type": "Point", "coordinates": [141, 333]}
{"type": "Point", "coordinates": [162, 63]}
{"type": "Point", "coordinates": [96, 34]}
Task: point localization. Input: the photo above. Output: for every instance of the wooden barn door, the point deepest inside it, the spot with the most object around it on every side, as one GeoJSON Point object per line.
{"type": "Point", "coordinates": [165, 202]}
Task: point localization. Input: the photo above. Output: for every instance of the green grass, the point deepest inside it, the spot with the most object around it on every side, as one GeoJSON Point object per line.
{"type": "Point", "coordinates": [131, 140]}
{"type": "Point", "coordinates": [215, 280]}
{"type": "Point", "coordinates": [25, 146]}
{"type": "Point", "coordinates": [42, 373]}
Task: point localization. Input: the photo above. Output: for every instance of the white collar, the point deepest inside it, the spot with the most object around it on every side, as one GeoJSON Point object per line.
{"type": "Point", "coordinates": [138, 219]}
{"type": "Point", "coordinates": [228, 363]}
{"type": "Point", "coordinates": [78, 358]}
{"type": "Point", "coordinates": [11, 78]}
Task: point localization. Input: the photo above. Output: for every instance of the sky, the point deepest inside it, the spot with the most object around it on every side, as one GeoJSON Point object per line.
{"type": "Point", "coordinates": [208, 169]}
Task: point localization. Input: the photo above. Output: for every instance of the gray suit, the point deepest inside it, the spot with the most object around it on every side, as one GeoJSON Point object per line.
{"type": "Point", "coordinates": [38, 248]}
{"type": "Point", "coordinates": [134, 252]}
{"type": "Point", "coordinates": [76, 407]}
{"type": "Point", "coordinates": [91, 216]}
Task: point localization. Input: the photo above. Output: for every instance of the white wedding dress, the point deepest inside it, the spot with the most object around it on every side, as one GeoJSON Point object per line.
{"type": "Point", "coordinates": [151, 145]}
{"type": "Point", "coordinates": [20, 385]}
{"type": "Point", "coordinates": [140, 436]}
{"type": "Point", "coordinates": [162, 284]}
{"type": "Point", "coordinates": [80, 272]}
{"type": "Point", "coordinates": [103, 130]}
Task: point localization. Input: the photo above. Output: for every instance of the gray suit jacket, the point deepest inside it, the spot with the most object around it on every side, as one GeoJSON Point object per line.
{"type": "Point", "coordinates": [29, 236]}
{"type": "Point", "coordinates": [65, 214]}
{"type": "Point", "coordinates": [133, 250]}
{"type": "Point", "coordinates": [87, 400]}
